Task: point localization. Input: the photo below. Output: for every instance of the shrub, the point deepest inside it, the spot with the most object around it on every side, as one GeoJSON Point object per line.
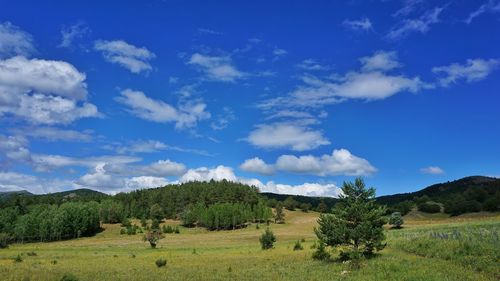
{"type": "Point", "coordinates": [176, 230]}
{"type": "Point", "coordinates": [279, 216]}
{"type": "Point", "coordinates": [69, 277]}
{"type": "Point", "coordinates": [167, 229]}
{"type": "Point", "coordinates": [321, 253]}
{"type": "Point", "coordinates": [305, 207]}
{"type": "Point", "coordinates": [396, 220]}
{"type": "Point", "coordinates": [161, 262]}
{"type": "Point", "coordinates": [4, 240]}
{"type": "Point", "coordinates": [267, 239]}
{"type": "Point", "coordinates": [123, 231]}
{"type": "Point", "coordinates": [126, 223]}
{"type": "Point", "coordinates": [152, 237]}
{"type": "Point", "coordinates": [298, 246]}
{"type": "Point", "coordinates": [429, 207]}
{"type": "Point", "coordinates": [18, 258]}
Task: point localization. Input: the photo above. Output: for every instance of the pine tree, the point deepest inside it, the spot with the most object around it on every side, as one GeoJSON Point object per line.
{"type": "Point", "coordinates": [396, 220]}
{"type": "Point", "coordinates": [357, 223]}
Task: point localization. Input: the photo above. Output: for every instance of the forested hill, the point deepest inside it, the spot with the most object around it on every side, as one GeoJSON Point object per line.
{"type": "Point", "coordinates": [470, 194]}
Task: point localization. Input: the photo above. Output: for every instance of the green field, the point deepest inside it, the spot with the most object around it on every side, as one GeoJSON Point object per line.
{"type": "Point", "coordinates": [430, 247]}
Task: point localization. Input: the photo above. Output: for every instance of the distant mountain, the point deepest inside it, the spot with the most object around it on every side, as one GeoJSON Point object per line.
{"type": "Point", "coordinates": [314, 201]}
{"type": "Point", "coordinates": [7, 194]}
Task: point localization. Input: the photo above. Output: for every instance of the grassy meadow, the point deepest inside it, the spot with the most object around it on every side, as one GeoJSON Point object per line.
{"type": "Point", "coordinates": [429, 247]}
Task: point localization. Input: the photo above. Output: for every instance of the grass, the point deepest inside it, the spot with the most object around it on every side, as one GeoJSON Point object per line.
{"type": "Point", "coordinates": [419, 251]}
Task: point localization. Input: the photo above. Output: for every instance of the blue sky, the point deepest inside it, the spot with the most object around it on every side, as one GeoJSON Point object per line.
{"type": "Point", "coordinates": [294, 98]}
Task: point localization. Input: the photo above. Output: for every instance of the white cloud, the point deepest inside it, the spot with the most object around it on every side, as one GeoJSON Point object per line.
{"type": "Point", "coordinates": [133, 58]}
{"type": "Point", "coordinates": [217, 68]}
{"type": "Point", "coordinates": [286, 135]}
{"type": "Point", "coordinates": [209, 31]}
{"type": "Point", "coordinates": [14, 41]}
{"type": "Point", "coordinates": [311, 65]}
{"type": "Point", "coordinates": [14, 148]}
{"type": "Point", "coordinates": [340, 162]}
{"type": "Point", "coordinates": [45, 76]}
{"type": "Point", "coordinates": [11, 181]}
{"type": "Point", "coordinates": [421, 24]}
{"type": "Point", "coordinates": [380, 61]}
{"type": "Point", "coordinates": [491, 6]}
{"type": "Point", "coordinates": [205, 174]}
{"type": "Point", "coordinates": [409, 6]}
{"type": "Point", "coordinates": [257, 165]}
{"type": "Point", "coordinates": [432, 170]}
{"type": "Point", "coordinates": [223, 119]}
{"type": "Point", "coordinates": [69, 34]}
{"type": "Point", "coordinates": [305, 189]}
{"type": "Point", "coordinates": [54, 134]}
{"type": "Point", "coordinates": [372, 82]}
{"type": "Point", "coordinates": [43, 91]}
{"type": "Point", "coordinates": [473, 70]}
{"type": "Point", "coordinates": [48, 162]}
{"type": "Point", "coordinates": [279, 52]}
{"type": "Point", "coordinates": [361, 24]}
{"type": "Point", "coordinates": [186, 116]}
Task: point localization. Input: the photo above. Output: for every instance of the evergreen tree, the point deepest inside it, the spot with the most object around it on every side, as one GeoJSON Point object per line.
{"type": "Point", "coordinates": [322, 208]}
{"type": "Point", "coordinates": [356, 224]}
{"type": "Point", "coordinates": [267, 239]}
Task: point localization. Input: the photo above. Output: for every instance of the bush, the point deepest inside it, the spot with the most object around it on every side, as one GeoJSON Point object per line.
{"type": "Point", "coordinates": [267, 239]}
{"type": "Point", "coordinates": [298, 246]}
{"type": "Point", "coordinates": [161, 262]}
{"type": "Point", "coordinates": [321, 253]}
{"type": "Point", "coordinates": [167, 229]}
{"type": "Point", "coordinates": [396, 220]}
{"type": "Point", "coordinates": [491, 205]}
{"type": "Point", "coordinates": [123, 231]}
{"type": "Point", "coordinates": [152, 237]}
{"type": "Point", "coordinates": [4, 240]}
{"type": "Point", "coordinates": [69, 277]}
{"type": "Point", "coordinates": [176, 230]}
{"type": "Point", "coordinates": [429, 207]}
{"type": "Point", "coordinates": [18, 258]}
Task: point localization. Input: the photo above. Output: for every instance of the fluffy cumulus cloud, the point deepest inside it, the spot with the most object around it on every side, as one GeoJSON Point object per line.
{"type": "Point", "coordinates": [135, 59]}
{"type": "Point", "coordinates": [421, 24]}
{"type": "Point", "coordinates": [185, 116]}
{"type": "Point", "coordinates": [473, 70]}
{"type": "Point", "coordinates": [432, 170]}
{"type": "Point", "coordinates": [43, 91]}
{"type": "Point", "coordinates": [340, 162]}
{"type": "Point", "coordinates": [216, 68]}
{"type": "Point", "coordinates": [305, 189]}
{"type": "Point", "coordinates": [361, 24]}
{"type": "Point", "coordinates": [257, 165]}
{"type": "Point", "coordinates": [14, 41]}
{"type": "Point", "coordinates": [286, 135]}
{"type": "Point", "coordinates": [374, 81]}
{"type": "Point", "coordinates": [14, 148]}
{"type": "Point", "coordinates": [160, 168]}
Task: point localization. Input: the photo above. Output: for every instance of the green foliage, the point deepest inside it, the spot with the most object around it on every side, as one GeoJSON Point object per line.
{"type": "Point", "coordinates": [321, 253]}
{"type": "Point", "coordinates": [167, 229]}
{"type": "Point", "coordinates": [429, 207]}
{"type": "Point", "coordinates": [69, 277]}
{"type": "Point", "coordinates": [155, 224]}
{"type": "Point", "coordinates": [4, 240]}
{"type": "Point", "coordinates": [491, 204]}
{"type": "Point", "coordinates": [298, 246]}
{"type": "Point", "coordinates": [51, 223]}
{"type": "Point", "coordinates": [176, 230]}
{"type": "Point", "coordinates": [290, 203]}
{"type": "Point", "coordinates": [459, 205]}
{"type": "Point", "coordinates": [18, 258]}
{"type": "Point", "coordinates": [153, 237]}
{"type": "Point", "coordinates": [358, 224]}
{"type": "Point", "coordinates": [267, 239]}
{"type": "Point", "coordinates": [322, 207]}
{"type": "Point", "coordinates": [396, 220]}
{"type": "Point", "coordinates": [305, 207]}
{"type": "Point", "coordinates": [111, 211]}
{"type": "Point", "coordinates": [161, 262]}
{"type": "Point", "coordinates": [279, 216]}
{"type": "Point", "coordinates": [156, 212]}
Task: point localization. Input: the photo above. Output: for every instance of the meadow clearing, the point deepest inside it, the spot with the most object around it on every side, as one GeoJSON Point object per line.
{"type": "Point", "coordinates": [429, 247]}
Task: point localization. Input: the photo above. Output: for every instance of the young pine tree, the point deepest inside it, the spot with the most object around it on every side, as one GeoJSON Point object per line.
{"type": "Point", "coordinates": [357, 223]}
{"type": "Point", "coordinates": [267, 239]}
